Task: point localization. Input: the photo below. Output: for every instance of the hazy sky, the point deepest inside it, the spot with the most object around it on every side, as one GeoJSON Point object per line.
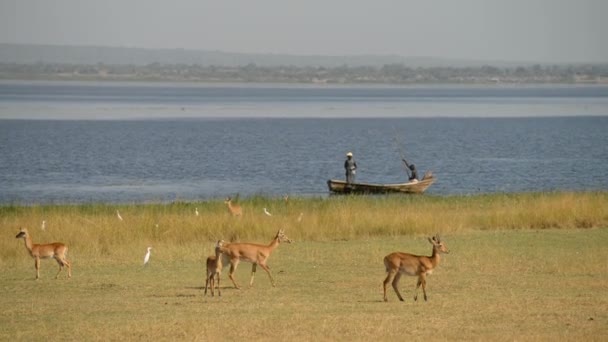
{"type": "Point", "coordinates": [498, 30]}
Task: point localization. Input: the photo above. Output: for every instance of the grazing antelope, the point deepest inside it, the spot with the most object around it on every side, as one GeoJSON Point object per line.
{"type": "Point", "coordinates": [56, 250]}
{"type": "Point", "coordinates": [398, 264]}
{"type": "Point", "coordinates": [214, 269]}
{"type": "Point", "coordinates": [235, 209]}
{"type": "Point", "coordinates": [254, 253]}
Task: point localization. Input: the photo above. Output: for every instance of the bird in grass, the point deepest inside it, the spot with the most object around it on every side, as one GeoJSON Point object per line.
{"type": "Point", "coordinates": [43, 226]}
{"type": "Point", "coordinates": [196, 211]}
{"type": "Point", "coordinates": [147, 257]}
{"type": "Point", "coordinates": [118, 215]}
{"type": "Point", "coordinates": [266, 212]}
{"type": "Point", "coordinates": [300, 217]}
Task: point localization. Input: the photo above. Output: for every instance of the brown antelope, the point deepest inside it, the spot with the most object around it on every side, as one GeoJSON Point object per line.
{"type": "Point", "coordinates": [398, 264]}
{"type": "Point", "coordinates": [56, 250]}
{"type": "Point", "coordinates": [214, 269]}
{"type": "Point", "coordinates": [254, 253]}
{"type": "Point", "coordinates": [235, 209]}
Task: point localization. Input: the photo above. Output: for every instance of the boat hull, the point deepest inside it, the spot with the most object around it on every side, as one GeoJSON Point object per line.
{"type": "Point", "coordinates": [341, 187]}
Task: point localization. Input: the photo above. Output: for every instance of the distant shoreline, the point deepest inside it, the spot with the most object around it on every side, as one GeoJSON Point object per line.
{"type": "Point", "coordinates": [345, 75]}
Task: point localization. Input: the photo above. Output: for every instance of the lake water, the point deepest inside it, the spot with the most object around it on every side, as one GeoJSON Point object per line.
{"type": "Point", "coordinates": [132, 142]}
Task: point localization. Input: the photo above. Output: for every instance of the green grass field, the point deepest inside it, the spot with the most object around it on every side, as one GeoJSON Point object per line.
{"type": "Point", "coordinates": [521, 267]}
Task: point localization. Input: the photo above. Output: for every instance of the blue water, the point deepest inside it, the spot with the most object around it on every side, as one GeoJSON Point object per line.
{"type": "Point", "coordinates": [89, 142]}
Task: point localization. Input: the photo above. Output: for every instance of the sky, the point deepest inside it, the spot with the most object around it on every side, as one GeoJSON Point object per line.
{"type": "Point", "coordinates": [543, 31]}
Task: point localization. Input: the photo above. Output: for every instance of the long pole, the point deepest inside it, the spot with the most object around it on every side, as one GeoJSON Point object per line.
{"type": "Point", "coordinates": [407, 170]}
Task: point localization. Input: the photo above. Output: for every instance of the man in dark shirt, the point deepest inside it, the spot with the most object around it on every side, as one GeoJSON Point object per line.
{"type": "Point", "coordinates": [413, 176]}
{"type": "Point", "coordinates": [350, 166]}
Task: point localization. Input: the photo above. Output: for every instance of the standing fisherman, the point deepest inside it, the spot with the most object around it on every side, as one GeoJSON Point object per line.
{"type": "Point", "coordinates": [350, 166]}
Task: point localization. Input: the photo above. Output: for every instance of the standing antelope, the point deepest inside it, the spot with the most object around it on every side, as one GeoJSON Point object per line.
{"type": "Point", "coordinates": [56, 250]}
{"type": "Point", "coordinates": [254, 253]}
{"type": "Point", "coordinates": [235, 209]}
{"type": "Point", "coordinates": [398, 264]}
{"type": "Point", "coordinates": [214, 269]}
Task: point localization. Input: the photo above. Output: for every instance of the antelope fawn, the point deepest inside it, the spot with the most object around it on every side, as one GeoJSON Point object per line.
{"type": "Point", "coordinates": [398, 264]}
{"type": "Point", "coordinates": [254, 253]}
{"type": "Point", "coordinates": [214, 269]}
{"type": "Point", "coordinates": [56, 250]}
{"type": "Point", "coordinates": [235, 209]}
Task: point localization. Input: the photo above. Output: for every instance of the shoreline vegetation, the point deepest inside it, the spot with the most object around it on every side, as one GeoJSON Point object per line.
{"type": "Point", "coordinates": [522, 266]}
{"type": "Point", "coordinates": [388, 74]}
{"type": "Point", "coordinates": [336, 218]}
{"type": "Point", "coordinates": [99, 63]}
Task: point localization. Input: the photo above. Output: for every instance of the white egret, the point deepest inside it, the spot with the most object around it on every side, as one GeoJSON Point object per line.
{"type": "Point", "coordinates": [118, 215]}
{"type": "Point", "coordinates": [266, 212]}
{"type": "Point", "coordinates": [300, 217]}
{"type": "Point", "coordinates": [43, 226]}
{"type": "Point", "coordinates": [147, 257]}
{"type": "Point", "coordinates": [196, 211]}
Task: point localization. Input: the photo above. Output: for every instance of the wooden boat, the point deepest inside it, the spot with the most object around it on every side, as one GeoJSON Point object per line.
{"type": "Point", "coordinates": [340, 186]}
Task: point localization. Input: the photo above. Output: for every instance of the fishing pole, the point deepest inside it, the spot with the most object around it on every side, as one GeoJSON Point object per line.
{"type": "Point", "coordinates": [399, 147]}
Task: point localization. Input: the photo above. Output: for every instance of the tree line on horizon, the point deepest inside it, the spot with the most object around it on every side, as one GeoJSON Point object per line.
{"type": "Point", "coordinates": [386, 74]}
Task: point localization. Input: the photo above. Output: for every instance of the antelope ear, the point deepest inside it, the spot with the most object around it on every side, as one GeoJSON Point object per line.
{"type": "Point", "coordinates": [432, 240]}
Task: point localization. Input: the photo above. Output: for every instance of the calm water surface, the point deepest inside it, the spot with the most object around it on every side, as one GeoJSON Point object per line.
{"type": "Point", "coordinates": [174, 142]}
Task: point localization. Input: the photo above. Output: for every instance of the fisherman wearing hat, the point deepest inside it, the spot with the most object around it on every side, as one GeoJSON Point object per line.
{"type": "Point", "coordinates": [350, 166]}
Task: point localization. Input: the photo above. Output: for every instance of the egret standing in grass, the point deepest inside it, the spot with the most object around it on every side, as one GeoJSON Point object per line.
{"type": "Point", "coordinates": [147, 257]}
{"type": "Point", "coordinates": [43, 226]}
{"type": "Point", "coordinates": [196, 211]}
{"type": "Point", "coordinates": [266, 212]}
{"type": "Point", "coordinates": [118, 215]}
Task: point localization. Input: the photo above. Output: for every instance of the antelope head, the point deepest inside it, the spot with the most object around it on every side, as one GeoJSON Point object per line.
{"type": "Point", "coordinates": [438, 245]}
{"type": "Point", "coordinates": [22, 233]}
{"type": "Point", "coordinates": [282, 237]}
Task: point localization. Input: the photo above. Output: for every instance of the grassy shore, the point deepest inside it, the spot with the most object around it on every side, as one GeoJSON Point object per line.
{"type": "Point", "coordinates": [522, 266]}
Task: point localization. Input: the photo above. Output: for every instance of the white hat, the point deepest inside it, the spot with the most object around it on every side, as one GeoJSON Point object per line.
{"type": "Point", "coordinates": [349, 154]}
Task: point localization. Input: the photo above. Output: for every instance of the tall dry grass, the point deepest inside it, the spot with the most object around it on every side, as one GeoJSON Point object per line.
{"type": "Point", "coordinates": [95, 231]}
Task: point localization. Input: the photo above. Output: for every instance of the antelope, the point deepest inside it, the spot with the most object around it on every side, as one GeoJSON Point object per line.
{"type": "Point", "coordinates": [398, 264]}
{"type": "Point", "coordinates": [254, 253]}
{"type": "Point", "coordinates": [56, 250]}
{"type": "Point", "coordinates": [214, 269]}
{"type": "Point", "coordinates": [235, 209]}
